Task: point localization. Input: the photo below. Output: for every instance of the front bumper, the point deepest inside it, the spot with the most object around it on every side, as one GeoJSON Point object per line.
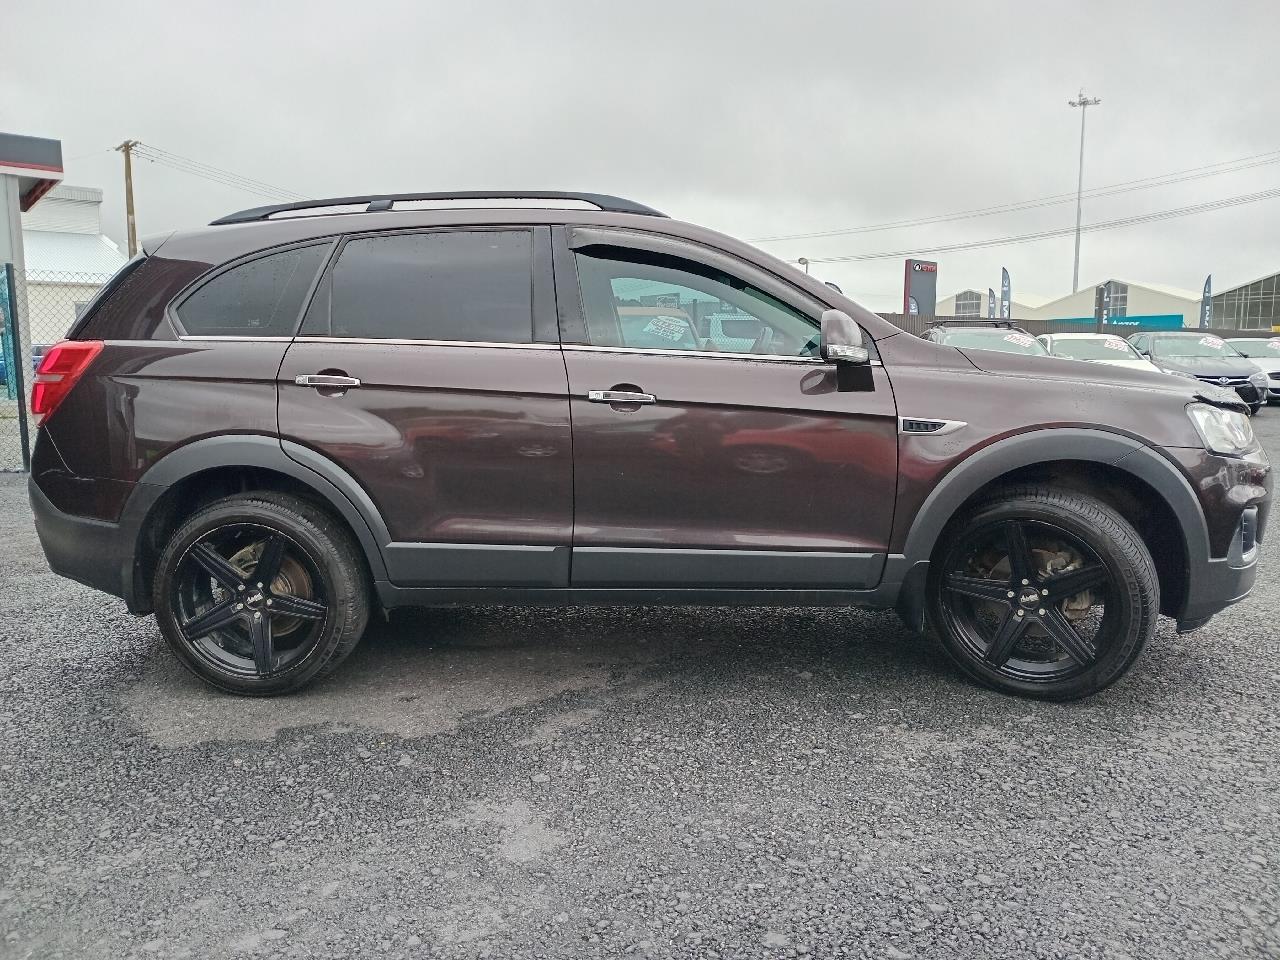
{"type": "Point", "coordinates": [1241, 490]}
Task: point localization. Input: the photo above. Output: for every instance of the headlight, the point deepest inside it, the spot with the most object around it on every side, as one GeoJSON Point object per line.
{"type": "Point", "coordinates": [1178, 373]}
{"type": "Point", "coordinates": [1222, 431]}
{"type": "Point", "coordinates": [1259, 380]}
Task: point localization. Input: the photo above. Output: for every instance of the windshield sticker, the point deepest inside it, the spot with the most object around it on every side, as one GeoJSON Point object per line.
{"type": "Point", "coordinates": [1116, 345]}
{"type": "Point", "coordinates": [1021, 339]}
{"type": "Point", "coordinates": [1210, 342]}
{"type": "Point", "coordinates": [668, 328]}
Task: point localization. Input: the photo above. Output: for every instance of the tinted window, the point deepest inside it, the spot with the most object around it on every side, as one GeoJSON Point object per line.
{"type": "Point", "coordinates": [657, 302]}
{"type": "Point", "coordinates": [261, 298]}
{"type": "Point", "coordinates": [465, 285]}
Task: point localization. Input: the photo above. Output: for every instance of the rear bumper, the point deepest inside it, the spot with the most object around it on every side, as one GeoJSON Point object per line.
{"type": "Point", "coordinates": [93, 552]}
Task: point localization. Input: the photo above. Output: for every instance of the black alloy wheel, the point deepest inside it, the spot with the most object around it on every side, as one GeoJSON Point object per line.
{"type": "Point", "coordinates": [261, 593]}
{"type": "Point", "coordinates": [1044, 593]}
{"type": "Point", "coordinates": [249, 599]}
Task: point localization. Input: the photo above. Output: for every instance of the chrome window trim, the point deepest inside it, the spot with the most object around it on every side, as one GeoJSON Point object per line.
{"type": "Point", "coordinates": [227, 339]}
{"type": "Point", "coordinates": [709, 354]}
{"type": "Point", "coordinates": [400, 341]}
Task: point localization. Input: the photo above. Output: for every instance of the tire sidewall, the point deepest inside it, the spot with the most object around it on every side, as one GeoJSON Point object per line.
{"type": "Point", "coordinates": [1136, 611]}
{"type": "Point", "coordinates": [305, 535]}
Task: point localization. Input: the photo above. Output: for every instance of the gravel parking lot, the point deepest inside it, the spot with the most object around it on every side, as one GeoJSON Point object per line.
{"type": "Point", "coordinates": [598, 782]}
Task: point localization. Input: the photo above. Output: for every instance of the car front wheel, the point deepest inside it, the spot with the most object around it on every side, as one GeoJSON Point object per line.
{"type": "Point", "coordinates": [1043, 593]}
{"type": "Point", "coordinates": [261, 593]}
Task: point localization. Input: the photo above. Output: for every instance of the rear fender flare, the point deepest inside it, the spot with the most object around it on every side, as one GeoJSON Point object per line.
{"type": "Point", "coordinates": [330, 482]}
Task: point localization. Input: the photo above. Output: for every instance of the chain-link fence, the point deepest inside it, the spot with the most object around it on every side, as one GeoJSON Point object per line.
{"type": "Point", "coordinates": [38, 307]}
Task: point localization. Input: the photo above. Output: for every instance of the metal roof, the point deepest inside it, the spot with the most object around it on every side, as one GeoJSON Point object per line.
{"type": "Point", "coordinates": [70, 253]}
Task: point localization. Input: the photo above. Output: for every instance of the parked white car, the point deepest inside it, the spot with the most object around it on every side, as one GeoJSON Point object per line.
{"type": "Point", "coordinates": [1265, 353]}
{"type": "Point", "coordinates": [1096, 348]}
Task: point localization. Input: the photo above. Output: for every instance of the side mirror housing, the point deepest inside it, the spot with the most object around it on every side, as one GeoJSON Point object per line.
{"type": "Point", "coordinates": [842, 345]}
{"type": "Point", "coordinates": [842, 339]}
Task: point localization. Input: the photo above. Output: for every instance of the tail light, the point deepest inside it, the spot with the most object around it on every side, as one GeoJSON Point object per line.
{"type": "Point", "coordinates": [60, 368]}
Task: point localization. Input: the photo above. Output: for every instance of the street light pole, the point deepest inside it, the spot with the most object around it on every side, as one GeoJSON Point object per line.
{"type": "Point", "coordinates": [1084, 103]}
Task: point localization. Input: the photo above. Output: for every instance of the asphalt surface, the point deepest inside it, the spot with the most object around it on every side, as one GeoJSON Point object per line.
{"type": "Point", "coordinates": [645, 782]}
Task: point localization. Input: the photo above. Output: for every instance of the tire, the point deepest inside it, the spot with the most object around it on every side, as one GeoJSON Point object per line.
{"type": "Point", "coordinates": [1048, 641]}
{"type": "Point", "coordinates": [270, 637]}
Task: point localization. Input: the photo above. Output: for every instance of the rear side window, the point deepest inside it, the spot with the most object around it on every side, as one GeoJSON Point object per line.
{"type": "Point", "coordinates": [457, 285]}
{"type": "Point", "coordinates": [261, 298]}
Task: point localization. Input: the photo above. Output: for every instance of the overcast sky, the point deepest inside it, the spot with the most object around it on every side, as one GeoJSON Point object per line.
{"type": "Point", "coordinates": [754, 118]}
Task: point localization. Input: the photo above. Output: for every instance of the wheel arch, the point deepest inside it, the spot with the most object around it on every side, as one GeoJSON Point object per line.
{"type": "Point", "coordinates": [217, 466]}
{"type": "Point", "coordinates": [1141, 484]}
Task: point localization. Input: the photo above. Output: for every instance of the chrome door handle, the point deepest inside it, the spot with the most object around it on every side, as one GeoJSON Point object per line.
{"type": "Point", "coordinates": [325, 380]}
{"type": "Point", "coordinates": [620, 396]}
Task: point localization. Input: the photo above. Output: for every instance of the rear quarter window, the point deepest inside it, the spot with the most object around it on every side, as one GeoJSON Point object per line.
{"type": "Point", "coordinates": [261, 298]}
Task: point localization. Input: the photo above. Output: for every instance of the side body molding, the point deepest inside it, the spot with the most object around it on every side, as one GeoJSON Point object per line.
{"type": "Point", "coordinates": [910, 568]}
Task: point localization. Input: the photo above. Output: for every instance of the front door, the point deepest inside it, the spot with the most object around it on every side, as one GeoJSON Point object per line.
{"type": "Point", "coordinates": [711, 446]}
{"type": "Point", "coordinates": [428, 368]}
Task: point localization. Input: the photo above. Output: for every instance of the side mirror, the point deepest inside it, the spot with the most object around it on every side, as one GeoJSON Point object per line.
{"type": "Point", "coordinates": [842, 339]}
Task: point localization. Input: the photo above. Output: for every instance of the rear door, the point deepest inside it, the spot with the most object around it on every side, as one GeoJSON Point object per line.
{"type": "Point", "coordinates": [711, 446]}
{"type": "Point", "coordinates": [428, 367]}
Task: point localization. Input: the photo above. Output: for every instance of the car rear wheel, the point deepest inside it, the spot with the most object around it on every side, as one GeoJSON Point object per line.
{"type": "Point", "coordinates": [261, 593]}
{"type": "Point", "coordinates": [1043, 593]}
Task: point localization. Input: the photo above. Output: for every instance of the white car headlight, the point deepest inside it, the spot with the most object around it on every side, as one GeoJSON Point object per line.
{"type": "Point", "coordinates": [1222, 431]}
{"type": "Point", "coordinates": [1259, 380]}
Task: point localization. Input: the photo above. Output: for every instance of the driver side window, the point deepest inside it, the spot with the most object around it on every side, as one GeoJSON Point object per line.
{"type": "Point", "coordinates": [650, 301]}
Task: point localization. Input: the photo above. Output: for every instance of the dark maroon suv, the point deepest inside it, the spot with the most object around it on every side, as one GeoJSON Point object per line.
{"type": "Point", "coordinates": [264, 428]}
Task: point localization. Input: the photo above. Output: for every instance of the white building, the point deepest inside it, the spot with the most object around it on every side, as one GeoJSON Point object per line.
{"type": "Point", "coordinates": [1128, 299]}
{"type": "Point", "coordinates": [67, 259]}
{"type": "Point", "coordinates": [973, 303]}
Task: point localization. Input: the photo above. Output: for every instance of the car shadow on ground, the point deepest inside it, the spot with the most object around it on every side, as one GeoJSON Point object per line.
{"type": "Point", "coordinates": [428, 671]}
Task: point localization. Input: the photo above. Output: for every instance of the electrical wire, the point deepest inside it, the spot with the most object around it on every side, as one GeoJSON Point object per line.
{"type": "Point", "coordinates": [1158, 215]}
{"type": "Point", "coordinates": [214, 174]}
{"type": "Point", "coordinates": [1109, 190]}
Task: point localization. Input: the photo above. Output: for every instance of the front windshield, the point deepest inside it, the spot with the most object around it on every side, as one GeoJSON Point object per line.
{"type": "Point", "coordinates": [1004, 341]}
{"type": "Point", "coordinates": [1097, 348]}
{"type": "Point", "coordinates": [1208, 347]}
{"type": "Point", "coordinates": [1258, 349]}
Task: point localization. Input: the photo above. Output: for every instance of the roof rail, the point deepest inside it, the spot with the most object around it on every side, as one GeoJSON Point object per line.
{"type": "Point", "coordinates": [965, 322]}
{"type": "Point", "coordinates": [386, 201]}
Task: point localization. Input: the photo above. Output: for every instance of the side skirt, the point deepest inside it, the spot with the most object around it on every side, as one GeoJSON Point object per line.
{"type": "Point", "coordinates": [392, 596]}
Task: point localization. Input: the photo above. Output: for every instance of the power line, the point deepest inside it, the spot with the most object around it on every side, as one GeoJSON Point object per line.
{"type": "Point", "coordinates": [1170, 214]}
{"type": "Point", "coordinates": [1110, 190]}
{"type": "Point", "coordinates": [214, 174]}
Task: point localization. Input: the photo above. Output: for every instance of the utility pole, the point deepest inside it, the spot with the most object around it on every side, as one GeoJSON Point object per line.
{"type": "Point", "coordinates": [127, 149]}
{"type": "Point", "coordinates": [1084, 103]}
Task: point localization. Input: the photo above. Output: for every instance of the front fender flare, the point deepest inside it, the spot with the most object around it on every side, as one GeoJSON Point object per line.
{"type": "Point", "coordinates": [910, 567]}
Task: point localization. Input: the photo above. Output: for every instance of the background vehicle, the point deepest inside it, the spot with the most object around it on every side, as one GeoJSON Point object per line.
{"type": "Point", "coordinates": [1207, 358]}
{"type": "Point", "coordinates": [1095, 348]}
{"type": "Point", "coordinates": [999, 335]}
{"type": "Point", "coordinates": [277, 423]}
{"type": "Point", "coordinates": [1265, 355]}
